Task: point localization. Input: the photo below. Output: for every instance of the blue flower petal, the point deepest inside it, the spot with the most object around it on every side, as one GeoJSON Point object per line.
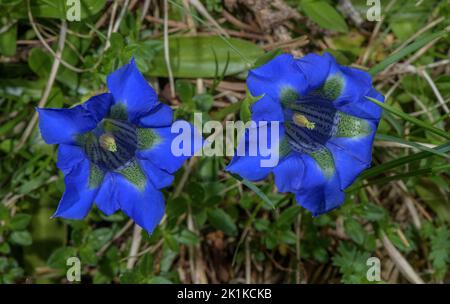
{"type": "Point", "coordinates": [130, 88]}
{"type": "Point", "coordinates": [68, 157]}
{"type": "Point", "coordinates": [249, 165]}
{"type": "Point", "coordinates": [274, 78]}
{"type": "Point", "coordinates": [267, 109]}
{"type": "Point", "coordinates": [363, 108]}
{"type": "Point", "coordinates": [160, 116]}
{"type": "Point", "coordinates": [78, 197]}
{"type": "Point", "coordinates": [315, 69]}
{"type": "Point", "coordinates": [145, 206]}
{"type": "Point", "coordinates": [106, 200]}
{"type": "Point", "coordinates": [99, 105]}
{"type": "Point", "coordinates": [348, 166]}
{"type": "Point", "coordinates": [356, 85]}
{"type": "Point", "coordinates": [289, 173]}
{"type": "Point", "coordinates": [157, 176]}
{"type": "Point", "coordinates": [352, 155]}
{"type": "Point", "coordinates": [353, 83]}
{"type": "Point", "coordinates": [61, 126]}
{"type": "Point", "coordinates": [160, 153]}
{"type": "Point", "coordinates": [318, 193]}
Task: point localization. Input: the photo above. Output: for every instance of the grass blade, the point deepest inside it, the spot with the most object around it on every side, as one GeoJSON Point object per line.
{"type": "Point", "coordinates": [255, 189]}
{"type": "Point", "coordinates": [411, 119]}
{"type": "Point", "coordinates": [405, 52]}
{"type": "Point", "coordinates": [411, 144]}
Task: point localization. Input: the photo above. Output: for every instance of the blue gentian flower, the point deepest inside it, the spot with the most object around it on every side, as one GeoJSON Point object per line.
{"type": "Point", "coordinates": [326, 131]}
{"type": "Point", "coordinates": [114, 150]}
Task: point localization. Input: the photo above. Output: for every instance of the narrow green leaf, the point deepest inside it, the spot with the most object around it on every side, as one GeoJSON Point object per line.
{"type": "Point", "coordinates": [411, 119]}
{"type": "Point", "coordinates": [255, 189]}
{"type": "Point", "coordinates": [222, 220]}
{"type": "Point", "coordinates": [420, 42]}
{"type": "Point", "coordinates": [410, 143]}
{"type": "Point", "coordinates": [402, 161]}
{"type": "Point", "coordinates": [203, 56]}
{"type": "Point", "coordinates": [324, 14]}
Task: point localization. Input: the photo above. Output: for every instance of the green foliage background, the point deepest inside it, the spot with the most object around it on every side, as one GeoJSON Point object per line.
{"type": "Point", "coordinates": [220, 228]}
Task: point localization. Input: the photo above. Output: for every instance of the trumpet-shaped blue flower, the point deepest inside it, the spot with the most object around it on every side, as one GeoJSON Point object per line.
{"type": "Point", "coordinates": [327, 127]}
{"type": "Point", "coordinates": [115, 150]}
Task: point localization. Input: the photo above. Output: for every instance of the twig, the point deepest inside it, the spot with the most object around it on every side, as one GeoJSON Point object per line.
{"type": "Point", "coordinates": [375, 32]}
{"type": "Point", "coordinates": [47, 47]}
{"type": "Point", "coordinates": [48, 87]}
{"type": "Point", "coordinates": [248, 262]}
{"type": "Point", "coordinates": [7, 26]}
{"type": "Point", "coordinates": [121, 15]}
{"type": "Point", "coordinates": [117, 236]}
{"type": "Point", "coordinates": [298, 223]}
{"type": "Point", "coordinates": [401, 263]}
{"type": "Point", "coordinates": [135, 244]}
{"type": "Point", "coordinates": [189, 19]}
{"type": "Point", "coordinates": [145, 9]}
{"type": "Point", "coordinates": [202, 10]}
{"type": "Point", "coordinates": [238, 23]}
{"type": "Point", "coordinates": [419, 32]}
{"type": "Point", "coordinates": [435, 90]}
{"type": "Point", "coordinates": [166, 48]}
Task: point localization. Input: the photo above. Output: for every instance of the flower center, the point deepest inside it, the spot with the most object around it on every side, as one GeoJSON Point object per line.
{"type": "Point", "coordinates": [309, 123]}
{"type": "Point", "coordinates": [108, 142]}
{"type": "Point", "coordinates": [301, 121]}
{"type": "Point", "coordinates": [112, 144]}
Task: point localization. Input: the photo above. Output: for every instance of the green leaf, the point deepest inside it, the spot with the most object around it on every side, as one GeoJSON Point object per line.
{"type": "Point", "coordinates": [8, 41]}
{"type": "Point", "coordinates": [20, 221]}
{"type": "Point", "coordinates": [324, 14]}
{"type": "Point", "coordinates": [430, 194]}
{"type": "Point", "coordinates": [185, 90]}
{"type": "Point", "coordinates": [221, 114]}
{"type": "Point", "coordinates": [440, 251]}
{"type": "Point", "coordinates": [411, 144]}
{"type": "Point", "coordinates": [188, 237]}
{"type": "Point", "coordinates": [245, 112]}
{"type": "Point", "coordinates": [57, 9]}
{"type": "Point", "coordinates": [351, 263]}
{"type": "Point", "coordinates": [22, 238]}
{"type": "Point", "coordinates": [354, 230]}
{"type": "Point", "coordinates": [203, 101]}
{"type": "Point", "coordinates": [196, 193]}
{"type": "Point", "coordinates": [39, 62]}
{"type": "Point", "coordinates": [221, 220]}
{"type": "Point", "coordinates": [159, 280]}
{"type": "Point", "coordinates": [171, 242]}
{"type": "Point", "coordinates": [255, 189]}
{"type": "Point", "coordinates": [402, 161]}
{"type": "Point", "coordinates": [5, 248]}
{"type": "Point", "coordinates": [195, 57]}
{"type": "Point", "coordinates": [411, 119]}
{"type": "Point", "coordinates": [58, 259]}
{"type": "Point", "coordinates": [288, 237]}
{"type": "Point", "coordinates": [99, 237]}
{"type": "Point", "coordinates": [288, 216]}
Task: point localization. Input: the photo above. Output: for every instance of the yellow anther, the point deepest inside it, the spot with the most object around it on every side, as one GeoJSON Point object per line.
{"type": "Point", "coordinates": [108, 142]}
{"type": "Point", "coordinates": [301, 121]}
